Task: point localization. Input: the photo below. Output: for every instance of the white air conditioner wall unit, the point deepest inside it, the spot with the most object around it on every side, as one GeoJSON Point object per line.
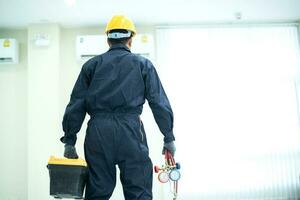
{"type": "Point", "coordinates": [88, 46]}
{"type": "Point", "coordinates": [143, 44]}
{"type": "Point", "coordinates": [9, 51]}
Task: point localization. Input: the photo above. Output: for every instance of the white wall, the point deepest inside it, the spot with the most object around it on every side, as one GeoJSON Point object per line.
{"type": "Point", "coordinates": [13, 122]}
{"type": "Point", "coordinates": [43, 107]}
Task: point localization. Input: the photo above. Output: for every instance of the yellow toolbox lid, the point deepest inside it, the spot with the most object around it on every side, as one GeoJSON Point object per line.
{"type": "Point", "coordinates": [65, 161]}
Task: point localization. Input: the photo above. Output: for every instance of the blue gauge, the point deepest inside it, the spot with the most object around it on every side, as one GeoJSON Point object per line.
{"type": "Point", "coordinates": [175, 175]}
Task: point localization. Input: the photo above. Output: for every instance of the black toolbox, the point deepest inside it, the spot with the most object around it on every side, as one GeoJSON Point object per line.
{"type": "Point", "coordinates": [67, 177]}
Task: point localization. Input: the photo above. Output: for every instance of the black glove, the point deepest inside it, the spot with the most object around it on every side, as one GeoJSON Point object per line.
{"type": "Point", "coordinates": [70, 152]}
{"type": "Point", "coordinates": [170, 146]}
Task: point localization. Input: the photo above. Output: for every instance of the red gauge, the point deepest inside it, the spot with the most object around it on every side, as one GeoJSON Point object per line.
{"type": "Point", "coordinates": [163, 177]}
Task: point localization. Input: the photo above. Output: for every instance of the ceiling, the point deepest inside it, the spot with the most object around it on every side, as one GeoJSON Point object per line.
{"type": "Point", "coordinates": [20, 13]}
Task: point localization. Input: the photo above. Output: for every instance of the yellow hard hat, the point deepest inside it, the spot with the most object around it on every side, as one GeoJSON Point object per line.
{"type": "Point", "coordinates": [120, 22]}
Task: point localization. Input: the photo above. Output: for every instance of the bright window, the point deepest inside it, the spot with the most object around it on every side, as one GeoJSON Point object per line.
{"type": "Point", "coordinates": [233, 90]}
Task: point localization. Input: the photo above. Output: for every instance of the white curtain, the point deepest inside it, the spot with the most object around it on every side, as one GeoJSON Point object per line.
{"type": "Point", "coordinates": [233, 91]}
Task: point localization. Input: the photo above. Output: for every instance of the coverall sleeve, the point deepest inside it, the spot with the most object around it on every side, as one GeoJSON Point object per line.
{"type": "Point", "coordinates": [76, 109]}
{"type": "Point", "coordinates": [158, 102]}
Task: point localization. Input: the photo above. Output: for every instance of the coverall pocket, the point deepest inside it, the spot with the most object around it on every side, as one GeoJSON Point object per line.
{"type": "Point", "coordinates": [141, 130]}
{"type": "Point", "coordinates": [143, 139]}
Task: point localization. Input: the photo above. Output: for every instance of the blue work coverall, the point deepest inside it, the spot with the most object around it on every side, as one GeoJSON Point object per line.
{"type": "Point", "coordinates": [112, 89]}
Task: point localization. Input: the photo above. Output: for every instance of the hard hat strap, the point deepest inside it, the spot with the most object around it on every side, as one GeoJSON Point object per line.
{"type": "Point", "coordinates": [117, 35]}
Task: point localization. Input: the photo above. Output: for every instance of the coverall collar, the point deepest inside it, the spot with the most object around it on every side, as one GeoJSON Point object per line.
{"type": "Point", "coordinates": [119, 46]}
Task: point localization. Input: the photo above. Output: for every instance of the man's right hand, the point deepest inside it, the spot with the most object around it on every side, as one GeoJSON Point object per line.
{"type": "Point", "coordinates": [70, 152]}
